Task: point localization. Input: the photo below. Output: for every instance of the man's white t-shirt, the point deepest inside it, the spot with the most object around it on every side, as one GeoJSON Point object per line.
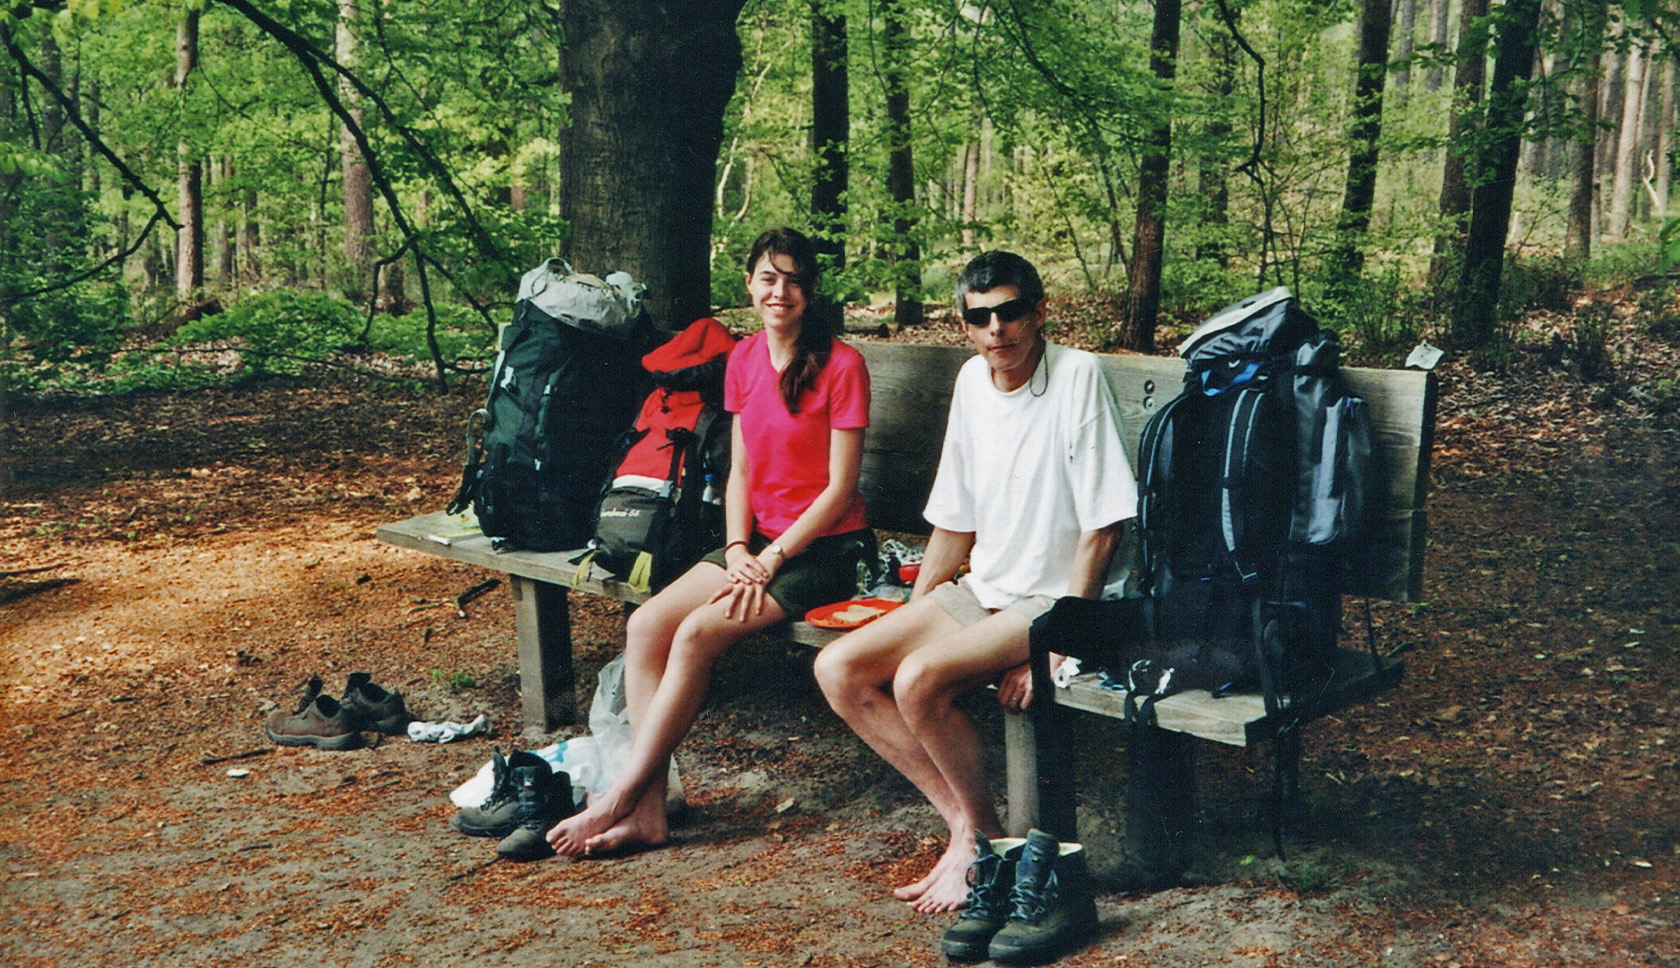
{"type": "Point", "coordinates": [1027, 474]}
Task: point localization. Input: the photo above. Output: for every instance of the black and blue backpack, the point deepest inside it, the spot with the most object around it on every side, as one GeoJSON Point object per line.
{"type": "Point", "coordinates": [567, 382]}
{"type": "Point", "coordinates": [1252, 482]}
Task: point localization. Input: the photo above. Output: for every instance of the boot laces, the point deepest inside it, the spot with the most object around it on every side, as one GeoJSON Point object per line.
{"type": "Point", "coordinates": [1032, 903]}
{"type": "Point", "coordinates": [983, 902]}
{"type": "Point", "coordinates": [531, 803]}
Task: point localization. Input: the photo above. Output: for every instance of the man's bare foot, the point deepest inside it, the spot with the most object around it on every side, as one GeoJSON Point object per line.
{"type": "Point", "coordinates": [945, 888]}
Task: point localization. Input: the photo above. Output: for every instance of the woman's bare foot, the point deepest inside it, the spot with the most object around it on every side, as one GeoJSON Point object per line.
{"type": "Point", "coordinates": [945, 888]}
{"type": "Point", "coordinates": [639, 831]}
{"type": "Point", "coordinates": [570, 837]}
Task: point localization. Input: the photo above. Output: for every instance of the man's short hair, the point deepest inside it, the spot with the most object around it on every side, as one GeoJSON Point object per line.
{"type": "Point", "coordinates": [989, 270]}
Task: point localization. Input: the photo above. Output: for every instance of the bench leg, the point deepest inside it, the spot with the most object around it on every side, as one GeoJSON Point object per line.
{"type": "Point", "coordinates": [1160, 805]}
{"type": "Point", "coordinates": [1041, 787]}
{"type": "Point", "coordinates": [542, 623]}
{"type": "Point", "coordinates": [1020, 750]}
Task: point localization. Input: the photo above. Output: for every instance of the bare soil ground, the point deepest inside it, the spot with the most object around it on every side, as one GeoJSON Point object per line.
{"type": "Point", "coordinates": [178, 565]}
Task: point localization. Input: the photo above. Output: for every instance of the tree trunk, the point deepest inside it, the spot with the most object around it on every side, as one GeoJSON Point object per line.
{"type": "Point", "coordinates": [901, 169]}
{"type": "Point", "coordinates": [189, 253]}
{"type": "Point", "coordinates": [1213, 175]}
{"type": "Point", "coordinates": [1625, 173]}
{"type": "Point", "coordinates": [1476, 309]}
{"type": "Point", "coordinates": [353, 168]}
{"type": "Point", "coordinates": [830, 129]}
{"type": "Point", "coordinates": [1143, 275]}
{"type": "Point", "coordinates": [649, 82]}
{"type": "Point", "coordinates": [1467, 94]}
{"type": "Point", "coordinates": [970, 212]}
{"type": "Point", "coordinates": [1578, 230]}
{"type": "Point", "coordinates": [1347, 259]}
{"type": "Point", "coordinates": [1438, 28]}
{"type": "Point", "coordinates": [1665, 123]}
{"type": "Point", "coordinates": [245, 238]}
{"type": "Point", "coordinates": [227, 243]}
{"type": "Point", "coordinates": [1404, 48]}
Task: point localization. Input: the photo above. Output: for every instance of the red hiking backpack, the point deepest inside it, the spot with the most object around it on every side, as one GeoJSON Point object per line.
{"type": "Point", "coordinates": [663, 507]}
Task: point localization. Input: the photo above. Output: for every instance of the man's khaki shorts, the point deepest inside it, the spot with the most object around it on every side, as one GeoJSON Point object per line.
{"type": "Point", "coordinates": [958, 600]}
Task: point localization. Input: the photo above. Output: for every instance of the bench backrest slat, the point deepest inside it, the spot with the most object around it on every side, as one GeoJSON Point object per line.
{"type": "Point", "coordinates": [912, 393]}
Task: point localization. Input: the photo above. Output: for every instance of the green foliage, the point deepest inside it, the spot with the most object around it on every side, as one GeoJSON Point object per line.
{"type": "Point", "coordinates": [1055, 97]}
{"type": "Point", "coordinates": [1589, 340]}
{"type": "Point", "coordinates": [1615, 266]}
{"type": "Point", "coordinates": [728, 285]}
{"type": "Point", "coordinates": [1374, 314]}
{"type": "Point", "coordinates": [461, 335]}
{"type": "Point", "coordinates": [1197, 288]}
{"type": "Point", "coordinates": [82, 322]}
{"type": "Point", "coordinates": [16, 159]}
{"type": "Point", "coordinates": [455, 681]}
{"type": "Point", "coordinates": [1669, 242]}
{"type": "Point", "coordinates": [1546, 282]}
{"type": "Point", "coordinates": [282, 331]}
{"type": "Point", "coordinates": [135, 372]}
{"type": "Point", "coordinates": [1664, 398]}
{"type": "Point", "coordinates": [1659, 309]}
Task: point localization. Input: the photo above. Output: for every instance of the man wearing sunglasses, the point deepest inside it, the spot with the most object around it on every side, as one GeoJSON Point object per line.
{"type": "Point", "coordinates": [1033, 490]}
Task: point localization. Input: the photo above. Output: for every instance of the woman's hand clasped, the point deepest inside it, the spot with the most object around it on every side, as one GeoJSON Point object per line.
{"type": "Point", "coordinates": [747, 577]}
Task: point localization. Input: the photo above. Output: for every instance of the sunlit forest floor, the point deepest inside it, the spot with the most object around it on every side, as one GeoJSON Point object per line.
{"type": "Point", "coordinates": [177, 565]}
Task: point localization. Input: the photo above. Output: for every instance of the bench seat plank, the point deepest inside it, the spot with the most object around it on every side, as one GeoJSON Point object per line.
{"type": "Point", "coordinates": [1239, 719]}
{"type": "Point", "coordinates": [438, 534]}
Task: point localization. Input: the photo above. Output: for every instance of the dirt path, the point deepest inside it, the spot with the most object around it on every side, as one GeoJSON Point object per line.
{"type": "Point", "coordinates": [1513, 804]}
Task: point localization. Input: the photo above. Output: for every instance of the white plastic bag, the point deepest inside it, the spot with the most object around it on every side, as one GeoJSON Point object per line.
{"type": "Point", "coordinates": [592, 762]}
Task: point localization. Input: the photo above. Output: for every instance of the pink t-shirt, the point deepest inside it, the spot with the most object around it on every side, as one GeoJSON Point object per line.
{"type": "Point", "coordinates": [787, 453]}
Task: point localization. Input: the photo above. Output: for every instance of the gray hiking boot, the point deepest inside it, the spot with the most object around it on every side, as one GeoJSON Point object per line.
{"type": "Point", "coordinates": [544, 799]}
{"type": "Point", "coordinates": [1053, 907]}
{"type": "Point", "coordinates": [381, 709]}
{"type": "Point", "coordinates": [319, 721]}
{"type": "Point", "coordinates": [990, 879]}
{"type": "Point", "coordinates": [498, 815]}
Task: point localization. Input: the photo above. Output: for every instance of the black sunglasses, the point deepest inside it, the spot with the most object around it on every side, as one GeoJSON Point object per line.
{"type": "Point", "coordinates": [1006, 312]}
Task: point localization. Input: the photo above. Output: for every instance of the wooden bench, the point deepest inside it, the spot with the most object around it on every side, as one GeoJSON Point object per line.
{"type": "Point", "coordinates": [912, 389]}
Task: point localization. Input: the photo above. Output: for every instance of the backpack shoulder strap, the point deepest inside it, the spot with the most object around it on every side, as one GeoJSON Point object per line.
{"type": "Point", "coordinates": [1154, 448]}
{"type": "Point", "coordinates": [1233, 478]}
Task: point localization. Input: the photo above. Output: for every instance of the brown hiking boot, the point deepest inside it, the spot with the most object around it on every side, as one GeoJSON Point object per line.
{"type": "Point", "coordinates": [380, 709]}
{"type": "Point", "coordinates": [319, 721]}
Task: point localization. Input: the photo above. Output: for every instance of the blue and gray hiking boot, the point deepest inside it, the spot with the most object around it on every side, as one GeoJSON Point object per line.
{"type": "Point", "coordinates": [380, 709]}
{"type": "Point", "coordinates": [543, 799]}
{"type": "Point", "coordinates": [1052, 906]}
{"type": "Point", "coordinates": [499, 813]}
{"type": "Point", "coordinates": [990, 879]}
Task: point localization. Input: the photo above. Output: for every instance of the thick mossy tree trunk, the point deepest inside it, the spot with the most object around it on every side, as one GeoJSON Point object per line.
{"type": "Point", "coordinates": [649, 81]}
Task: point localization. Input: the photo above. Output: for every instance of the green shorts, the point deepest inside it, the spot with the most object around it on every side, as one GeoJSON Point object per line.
{"type": "Point", "coordinates": [826, 571]}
